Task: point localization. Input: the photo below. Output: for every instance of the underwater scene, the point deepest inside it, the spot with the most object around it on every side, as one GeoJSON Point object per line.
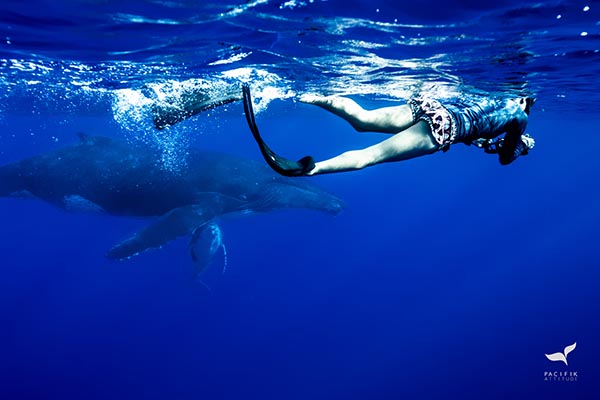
{"type": "Point", "coordinates": [303, 199]}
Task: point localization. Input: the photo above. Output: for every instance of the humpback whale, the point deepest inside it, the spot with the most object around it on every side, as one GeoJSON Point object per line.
{"type": "Point", "coordinates": [111, 176]}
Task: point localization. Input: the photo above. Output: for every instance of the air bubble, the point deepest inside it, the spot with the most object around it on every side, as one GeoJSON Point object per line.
{"type": "Point", "coordinates": [586, 9]}
{"type": "Point", "coordinates": [583, 33]}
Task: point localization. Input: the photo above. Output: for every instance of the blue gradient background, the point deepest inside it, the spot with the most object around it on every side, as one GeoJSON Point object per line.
{"type": "Point", "coordinates": [447, 276]}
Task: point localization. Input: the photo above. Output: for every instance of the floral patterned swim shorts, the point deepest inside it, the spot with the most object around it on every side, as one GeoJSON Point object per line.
{"type": "Point", "coordinates": [442, 124]}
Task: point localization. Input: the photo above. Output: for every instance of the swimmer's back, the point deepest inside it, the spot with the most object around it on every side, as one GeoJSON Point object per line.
{"type": "Point", "coordinates": [485, 118]}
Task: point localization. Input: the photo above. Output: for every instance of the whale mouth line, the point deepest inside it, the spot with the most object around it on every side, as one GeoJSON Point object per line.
{"type": "Point", "coordinates": [283, 195]}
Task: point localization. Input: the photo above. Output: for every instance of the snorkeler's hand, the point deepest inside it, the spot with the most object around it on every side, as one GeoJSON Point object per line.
{"type": "Point", "coordinates": [490, 146]}
{"type": "Point", "coordinates": [528, 141]}
{"type": "Point", "coordinates": [481, 143]}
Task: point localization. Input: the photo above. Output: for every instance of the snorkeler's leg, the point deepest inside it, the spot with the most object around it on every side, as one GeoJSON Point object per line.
{"type": "Point", "coordinates": [414, 142]}
{"type": "Point", "coordinates": [385, 120]}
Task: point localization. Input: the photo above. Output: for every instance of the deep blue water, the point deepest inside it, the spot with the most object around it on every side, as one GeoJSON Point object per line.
{"type": "Point", "coordinates": [447, 276]}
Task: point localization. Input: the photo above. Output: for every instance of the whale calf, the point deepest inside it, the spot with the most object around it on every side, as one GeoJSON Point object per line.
{"type": "Point", "coordinates": [111, 176]}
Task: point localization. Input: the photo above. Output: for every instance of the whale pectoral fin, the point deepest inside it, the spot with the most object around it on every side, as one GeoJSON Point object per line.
{"type": "Point", "coordinates": [177, 222]}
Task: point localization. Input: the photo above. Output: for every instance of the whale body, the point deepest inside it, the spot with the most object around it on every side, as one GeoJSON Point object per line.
{"type": "Point", "coordinates": [112, 176]}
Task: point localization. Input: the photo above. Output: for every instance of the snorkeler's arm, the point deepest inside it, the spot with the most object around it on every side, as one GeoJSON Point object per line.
{"type": "Point", "coordinates": [515, 144]}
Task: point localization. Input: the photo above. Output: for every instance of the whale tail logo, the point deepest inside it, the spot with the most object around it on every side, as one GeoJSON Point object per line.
{"type": "Point", "coordinates": [562, 356]}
